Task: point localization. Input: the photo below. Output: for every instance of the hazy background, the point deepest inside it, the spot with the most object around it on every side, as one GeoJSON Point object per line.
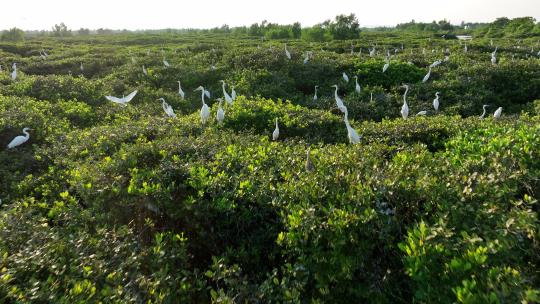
{"type": "Point", "coordinates": [157, 14]}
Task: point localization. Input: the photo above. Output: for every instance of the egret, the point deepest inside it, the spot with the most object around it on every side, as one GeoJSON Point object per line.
{"type": "Point", "coordinates": [315, 95]}
{"type": "Point", "coordinates": [386, 65]}
{"type": "Point", "coordinates": [371, 52]}
{"type": "Point", "coordinates": [42, 55]}
{"type": "Point", "coordinates": [226, 95]}
{"type": "Point", "coordinates": [205, 111]}
{"type": "Point", "coordinates": [493, 59]}
{"type": "Point", "coordinates": [371, 98]}
{"type": "Point", "coordinates": [287, 52]}
{"type": "Point", "coordinates": [145, 72]}
{"type": "Point", "coordinates": [220, 113]}
{"type": "Point", "coordinates": [19, 140]}
{"type": "Point", "coordinates": [484, 111]}
{"type": "Point", "coordinates": [14, 73]}
{"type": "Point", "coordinates": [167, 108]}
{"type": "Point", "coordinates": [124, 100]}
{"type": "Point", "coordinates": [421, 113]}
{"type": "Point", "coordinates": [309, 164]}
{"type": "Point", "coordinates": [166, 63]}
{"type": "Point", "coordinates": [405, 107]}
{"type": "Point", "coordinates": [435, 64]}
{"type": "Point", "coordinates": [339, 102]}
{"type": "Point", "coordinates": [426, 78]}
{"type": "Point", "coordinates": [233, 93]}
{"type": "Point", "coordinates": [436, 102]}
{"type": "Point", "coordinates": [275, 134]}
{"type": "Point", "coordinates": [357, 87]}
{"type": "Point", "coordinates": [45, 53]}
{"type": "Point", "coordinates": [497, 113]}
{"type": "Point", "coordinates": [82, 67]}
{"type": "Point", "coordinates": [180, 91]}
{"type": "Point", "coordinates": [345, 77]}
{"type": "Point", "coordinates": [354, 138]}
{"type": "Point", "coordinates": [306, 60]}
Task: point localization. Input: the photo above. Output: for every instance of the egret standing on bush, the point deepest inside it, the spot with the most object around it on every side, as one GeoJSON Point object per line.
{"type": "Point", "coordinates": [315, 95]}
{"type": "Point", "coordinates": [484, 111]}
{"type": "Point", "coordinates": [339, 102]}
{"type": "Point", "coordinates": [426, 78]}
{"type": "Point", "coordinates": [357, 87]}
{"type": "Point", "coordinates": [220, 113]}
{"type": "Point", "coordinates": [497, 113]}
{"type": "Point", "coordinates": [405, 107]}
{"type": "Point", "coordinates": [19, 140]}
{"type": "Point", "coordinates": [167, 108]}
{"type": "Point", "coordinates": [353, 136]}
{"type": "Point", "coordinates": [345, 77]}
{"type": "Point", "coordinates": [14, 73]}
{"type": "Point", "coordinates": [287, 53]}
{"type": "Point", "coordinates": [233, 93]}
{"type": "Point", "coordinates": [180, 91]}
{"type": "Point", "coordinates": [228, 98]}
{"type": "Point", "coordinates": [205, 111]}
{"type": "Point", "coordinates": [275, 134]}
{"type": "Point", "coordinates": [436, 102]}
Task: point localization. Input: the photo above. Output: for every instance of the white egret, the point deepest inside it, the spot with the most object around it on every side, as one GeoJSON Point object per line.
{"type": "Point", "coordinates": [436, 102]}
{"type": "Point", "coordinates": [145, 72]}
{"type": "Point", "coordinates": [371, 52]}
{"type": "Point", "coordinates": [436, 63]}
{"type": "Point", "coordinates": [386, 65]}
{"type": "Point", "coordinates": [19, 140]}
{"type": "Point", "coordinates": [166, 63]}
{"type": "Point", "coordinates": [42, 55]}
{"type": "Point", "coordinates": [287, 53]}
{"type": "Point", "coordinates": [345, 77]}
{"type": "Point", "coordinates": [497, 113]}
{"type": "Point", "coordinates": [226, 95]}
{"type": "Point", "coordinates": [124, 100]}
{"type": "Point", "coordinates": [353, 136]}
{"type": "Point", "coordinates": [220, 113]}
{"type": "Point", "coordinates": [233, 93]}
{"type": "Point", "coordinates": [167, 108]}
{"type": "Point", "coordinates": [306, 59]}
{"type": "Point", "coordinates": [275, 134]}
{"type": "Point", "coordinates": [371, 98]}
{"type": "Point", "coordinates": [205, 111]}
{"type": "Point", "coordinates": [82, 67]}
{"type": "Point", "coordinates": [14, 73]}
{"type": "Point", "coordinates": [180, 91]}
{"type": "Point", "coordinates": [309, 164]}
{"type": "Point", "coordinates": [405, 107]}
{"type": "Point", "coordinates": [315, 95]}
{"type": "Point", "coordinates": [357, 87]}
{"type": "Point", "coordinates": [339, 102]}
{"type": "Point", "coordinates": [484, 111]}
{"type": "Point", "coordinates": [426, 78]}
{"type": "Point", "coordinates": [421, 113]}
{"type": "Point", "coordinates": [493, 60]}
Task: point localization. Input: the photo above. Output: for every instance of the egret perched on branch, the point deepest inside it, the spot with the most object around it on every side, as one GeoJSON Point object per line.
{"type": "Point", "coordinates": [345, 77]}
{"type": "Point", "coordinates": [233, 93]}
{"type": "Point", "coordinates": [220, 113]}
{"type": "Point", "coordinates": [19, 140]}
{"type": "Point", "coordinates": [287, 53]}
{"type": "Point", "coordinates": [205, 111]}
{"type": "Point", "coordinates": [228, 98]}
{"type": "Point", "coordinates": [124, 100]}
{"type": "Point", "coordinates": [315, 95]}
{"type": "Point", "coordinates": [275, 134]}
{"type": "Point", "coordinates": [436, 102]}
{"type": "Point", "coordinates": [180, 91]}
{"type": "Point", "coordinates": [426, 78]}
{"type": "Point", "coordinates": [14, 73]}
{"type": "Point", "coordinates": [357, 87]}
{"type": "Point", "coordinates": [484, 111]}
{"type": "Point", "coordinates": [167, 108]}
{"type": "Point", "coordinates": [405, 107]}
{"type": "Point", "coordinates": [145, 72]}
{"type": "Point", "coordinates": [497, 113]}
{"type": "Point", "coordinates": [339, 102]}
{"type": "Point", "coordinates": [354, 138]}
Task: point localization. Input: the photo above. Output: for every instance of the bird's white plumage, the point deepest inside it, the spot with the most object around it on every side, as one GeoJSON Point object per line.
{"type": "Point", "coordinates": [436, 101]}
{"type": "Point", "coordinates": [180, 91]}
{"type": "Point", "coordinates": [426, 78]}
{"type": "Point", "coordinates": [19, 140]}
{"type": "Point", "coordinates": [220, 116]}
{"type": "Point", "coordinates": [205, 111]}
{"type": "Point", "coordinates": [124, 100]}
{"type": "Point", "coordinates": [357, 87]}
{"type": "Point", "coordinates": [315, 95]}
{"type": "Point", "coordinates": [167, 108]}
{"type": "Point", "coordinates": [275, 134]}
{"type": "Point", "coordinates": [226, 95]}
{"type": "Point", "coordinates": [345, 77]}
{"type": "Point", "coordinates": [353, 136]}
{"type": "Point", "coordinates": [339, 102]}
{"type": "Point", "coordinates": [497, 113]}
{"type": "Point", "coordinates": [421, 113]}
{"type": "Point", "coordinates": [405, 107]}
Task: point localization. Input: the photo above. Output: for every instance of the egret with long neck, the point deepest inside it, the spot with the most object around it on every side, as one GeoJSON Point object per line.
{"type": "Point", "coordinates": [405, 107]}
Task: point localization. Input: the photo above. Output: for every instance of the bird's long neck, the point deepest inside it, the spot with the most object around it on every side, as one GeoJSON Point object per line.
{"type": "Point", "coordinates": [405, 95]}
{"type": "Point", "coordinates": [335, 93]}
{"type": "Point", "coordinates": [26, 134]}
{"type": "Point", "coordinates": [202, 95]}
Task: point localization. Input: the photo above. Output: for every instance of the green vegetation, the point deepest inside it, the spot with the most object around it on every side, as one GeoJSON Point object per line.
{"type": "Point", "coordinates": [117, 204]}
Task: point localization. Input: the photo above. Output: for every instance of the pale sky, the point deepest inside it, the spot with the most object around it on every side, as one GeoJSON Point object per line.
{"type": "Point", "coordinates": [158, 14]}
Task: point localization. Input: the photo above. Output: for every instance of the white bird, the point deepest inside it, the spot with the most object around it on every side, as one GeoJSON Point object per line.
{"type": "Point", "coordinates": [339, 102]}
{"type": "Point", "coordinates": [45, 53]}
{"type": "Point", "coordinates": [345, 77]}
{"type": "Point", "coordinates": [207, 93]}
{"type": "Point", "coordinates": [421, 113]}
{"type": "Point", "coordinates": [167, 108]}
{"type": "Point", "coordinates": [287, 52]}
{"type": "Point", "coordinates": [42, 55]}
{"type": "Point", "coordinates": [436, 102]}
{"type": "Point", "coordinates": [497, 113]}
{"type": "Point", "coordinates": [484, 111]}
{"type": "Point", "coordinates": [371, 52]}
{"type": "Point", "coordinates": [493, 59]}
{"type": "Point", "coordinates": [19, 140]}
{"type": "Point", "coordinates": [309, 164]}
{"type": "Point", "coordinates": [124, 100]}
{"type": "Point", "coordinates": [145, 72]}
{"type": "Point", "coordinates": [371, 98]}
{"type": "Point", "coordinates": [166, 63]}
{"type": "Point", "coordinates": [205, 111]}
{"type": "Point", "coordinates": [357, 87]}
{"type": "Point", "coordinates": [233, 93]}
{"type": "Point", "coordinates": [220, 113]}
{"type": "Point", "coordinates": [436, 63]}
{"type": "Point", "coordinates": [386, 65]}
{"type": "Point", "coordinates": [306, 60]}
{"type": "Point", "coordinates": [315, 95]}
{"type": "Point", "coordinates": [226, 95]}
{"type": "Point", "coordinates": [81, 67]}
{"type": "Point", "coordinates": [14, 73]}
{"type": "Point", "coordinates": [180, 91]}
{"type": "Point", "coordinates": [354, 138]}
{"type": "Point", "coordinates": [405, 107]}
{"type": "Point", "coordinates": [275, 134]}
{"type": "Point", "coordinates": [426, 78]}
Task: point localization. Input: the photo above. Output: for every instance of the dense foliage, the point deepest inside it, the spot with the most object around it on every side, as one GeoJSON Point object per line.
{"type": "Point", "coordinates": [117, 204]}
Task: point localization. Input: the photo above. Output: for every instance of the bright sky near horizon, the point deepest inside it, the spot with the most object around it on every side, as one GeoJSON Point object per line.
{"type": "Point", "coordinates": [158, 14]}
